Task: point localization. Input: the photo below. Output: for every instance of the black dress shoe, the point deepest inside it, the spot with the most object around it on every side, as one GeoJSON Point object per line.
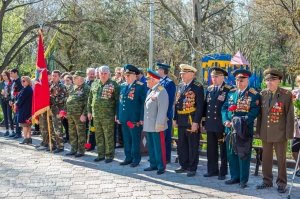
{"type": "Point", "coordinates": [98, 159]}
{"type": "Point", "coordinates": [159, 172]}
{"type": "Point", "coordinates": [281, 189]}
{"type": "Point", "coordinates": [264, 186]}
{"type": "Point", "coordinates": [134, 164]}
{"type": "Point", "coordinates": [6, 133]}
{"type": "Point", "coordinates": [243, 185]}
{"type": "Point", "coordinates": [25, 141]}
{"type": "Point", "coordinates": [150, 169]}
{"type": "Point", "coordinates": [12, 135]}
{"type": "Point", "coordinates": [125, 163]}
{"type": "Point", "coordinates": [191, 173]}
{"type": "Point", "coordinates": [108, 160]}
{"type": "Point", "coordinates": [220, 177]}
{"type": "Point", "coordinates": [29, 141]}
{"type": "Point", "coordinates": [232, 181]}
{"type": "Point", "coordinates": [180, 170]}
{"type": "Point", "coordinates": [17, 136]}
{"type": "Point", "coordinates": [71, 153]}
{"type": "Point", "coordinates": [58, 150]}
{"type": "Point", "coordinates": [53, 149]}
{"type": "Point", "coordinates": [210, 175]}
{"type": "Point", "coordinates": [78, 155]}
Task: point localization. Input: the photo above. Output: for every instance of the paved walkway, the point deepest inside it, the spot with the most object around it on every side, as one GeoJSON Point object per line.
{"type": "Point", "coordinates": [27, 173]}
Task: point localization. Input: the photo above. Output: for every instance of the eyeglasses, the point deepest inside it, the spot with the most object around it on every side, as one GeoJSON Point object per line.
{"type": "Point", "coordinates": [239, 80]}
{"type": "Point", "coordinates": [103, 73]}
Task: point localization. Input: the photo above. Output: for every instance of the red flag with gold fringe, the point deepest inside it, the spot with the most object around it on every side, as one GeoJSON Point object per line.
{"type": "Point", "coordinates": [41, 92]}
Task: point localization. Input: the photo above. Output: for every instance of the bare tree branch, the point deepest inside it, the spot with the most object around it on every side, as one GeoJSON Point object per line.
{"type": "Point", "coordinates": [22, 5]}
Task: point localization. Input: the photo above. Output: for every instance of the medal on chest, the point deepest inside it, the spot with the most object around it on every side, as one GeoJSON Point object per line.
{"type": "Point", "coordinates": [275, 112]}
{"type": "Point", "coordinates": [107, 91]}
{"type": "Point", "coordinates": [131, 93]}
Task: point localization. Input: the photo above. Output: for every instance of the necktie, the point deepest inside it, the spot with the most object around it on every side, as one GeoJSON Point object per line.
{"type": "Point", "coordinates": [215, 89]}
{"type": "Point", "coordinates": [270, 99]}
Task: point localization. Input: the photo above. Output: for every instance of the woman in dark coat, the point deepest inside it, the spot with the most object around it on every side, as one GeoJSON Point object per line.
{"type": "Point", "coordinates": [24, 104]}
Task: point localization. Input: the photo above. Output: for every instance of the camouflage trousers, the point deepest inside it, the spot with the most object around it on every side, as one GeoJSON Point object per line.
{"type": "Point", "coordinates": [58, 129]}
{"type": "Point", "coordinates": [104, 131]}
{"type": "Point", "coordinates": [77, 133]}
{"type": "Point", "coordinates": [44, 129]}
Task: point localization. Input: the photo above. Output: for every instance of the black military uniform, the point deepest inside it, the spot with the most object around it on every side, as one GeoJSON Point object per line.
{"type": "Point", "coordinates": [215, 97]}
{"type": "Point", "coordinates": [188, 110]}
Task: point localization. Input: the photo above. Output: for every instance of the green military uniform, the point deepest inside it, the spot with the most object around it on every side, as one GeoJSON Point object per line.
{"type": "Point", "coordinates": [102, 103]}
{"type": "Point", "coordinates": [246, 104]}
{"type": "Point", "coordinates": [58, 97]}
{"type": "Point", "coordinates": [76, 106]}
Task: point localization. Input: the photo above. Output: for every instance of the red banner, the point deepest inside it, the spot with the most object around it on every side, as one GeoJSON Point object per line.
{"type": "Point", "coordinates": [41, 92]}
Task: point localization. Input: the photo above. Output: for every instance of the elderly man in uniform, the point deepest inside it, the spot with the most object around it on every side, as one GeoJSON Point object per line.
{"type": "Point", "coordinates": [102, 105]}
{"type": "Point", "coordinates": [77, 112]}
{"type": "Point", "coordinates": [169, 85]}
{"type": "Point", "coordinates": [242, 102]}
{"type": "Point", "coordinates": [275, 126]}
{"type": "Point", "coordinates": [188, 115]}
{"type": "Point", "coordinates": [131, 114]}
{"type": "Point", "coordinates": [215, 98]}
{"type": "Point", "coordinates": [155, 122]}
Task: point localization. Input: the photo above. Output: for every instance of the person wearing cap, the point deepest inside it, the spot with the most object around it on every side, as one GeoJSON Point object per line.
{"type": "Point", "coordinates": [275, 126]}
{"type": "Point", "coordinates": [102, 107]}
{"type": "Point", "coordinates": [155, 122]}
{"type": "Point", "coordinates": [169, 85]}
{"type": "Point", "coordinates": [241, 103]}
{"type": "Point", "coordinates": [214, 100]}
{"type": "Point", "coordinates": [188, 114]}
{"type": "Point", "coordinates": [58, 97]}
{"type": "Point", "coordinates": [131, 114]}
{"type": "Point", "coordinates": [77, 112]}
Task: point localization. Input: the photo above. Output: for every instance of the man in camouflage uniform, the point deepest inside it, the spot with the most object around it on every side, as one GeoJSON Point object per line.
{"type": "Point", "coordinates": [102, 103]}
{"type": "Point", "coordinates": [58, 96]}
{"type": "Point", "coordinates": [77, 111]}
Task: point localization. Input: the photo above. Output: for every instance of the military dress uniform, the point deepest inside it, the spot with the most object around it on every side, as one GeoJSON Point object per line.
{"type": "Point", "coordinates": [275, 126]}
{"type": "Point", "coordinates": [170, 87]}
{"type": "Point", "coordinates": [76, 106]}
{"type": "Point", "coordinates": [58, 97]}
{"type": "Point", "coordinates": [214, 100]}
{"type": "Point", "coordinates": [155, 119]}
{"type": "Point", "coordinates": [188, 109]}
{"type": "Point", "coordinates": [131, 112]}
{"type": "Point", "coordinates": [103, 103]}
{"type": "Point", "coordinates": [246, 104]}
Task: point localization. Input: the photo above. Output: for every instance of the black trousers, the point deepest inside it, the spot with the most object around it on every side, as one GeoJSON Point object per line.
{"type": "Point", "coordinates": [188, 148]}
{"type": "Point", "coordinates": [92, 137]}
{"type": "Point", "coordinates": [213, 154]}
{"type": "Point", "coordinates": [118, 135]}
{"type": "Point", "coordinates": [7, 113]}
{"type": "Point", "coordinates": [65, 124]}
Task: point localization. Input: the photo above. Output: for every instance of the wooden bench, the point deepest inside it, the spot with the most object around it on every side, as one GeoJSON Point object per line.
{"type": "Point", "coordinates": [258, 150]}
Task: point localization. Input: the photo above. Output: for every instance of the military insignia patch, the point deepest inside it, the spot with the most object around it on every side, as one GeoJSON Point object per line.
{"type": "Point", "coordinates": [253, 91]}
{"type": "Point", "coordinates": [139, 83]}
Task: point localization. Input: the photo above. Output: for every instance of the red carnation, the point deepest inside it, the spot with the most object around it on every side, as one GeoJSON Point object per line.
{"type": "Point", "coordinates": [232, 108]}
{"type": "Point", "coordinates": [62, 114]}
{"type": "Point", "coordinates": [280, 104]}
{"type": "Point", "coordinates": [130, 125]}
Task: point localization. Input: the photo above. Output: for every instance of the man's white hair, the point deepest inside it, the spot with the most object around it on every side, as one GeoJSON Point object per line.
{"type": "Point", "coordinates": [104, 69]}
{"type": "Point", "coordinates": [90, 69]}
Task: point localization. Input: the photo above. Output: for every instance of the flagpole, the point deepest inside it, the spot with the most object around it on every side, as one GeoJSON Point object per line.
{"type": "Point", "coordinates": [49, 130]}
{"type": "Point", "coordinates": [151, 34]}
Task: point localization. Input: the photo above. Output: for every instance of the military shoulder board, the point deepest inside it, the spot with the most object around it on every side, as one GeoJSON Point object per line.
{"type": "Point", "coordinates": [253, 91]}
{"type": "Point", "coordinates": [139, 83]}
{"type": "Point", "coordinates": [233, 90]}
{"type": "Point", "coordinates": [227, 86]}
{"type": "Point", "coordinates": [160, 88]}
{"type": "Point", "coordinates": [210, 88]}
{"type": "Point", "coordinates": [197, 83]}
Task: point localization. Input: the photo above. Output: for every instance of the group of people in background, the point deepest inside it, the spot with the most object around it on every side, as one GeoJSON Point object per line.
{"type": "Point", "coordinates": [113, 112]}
